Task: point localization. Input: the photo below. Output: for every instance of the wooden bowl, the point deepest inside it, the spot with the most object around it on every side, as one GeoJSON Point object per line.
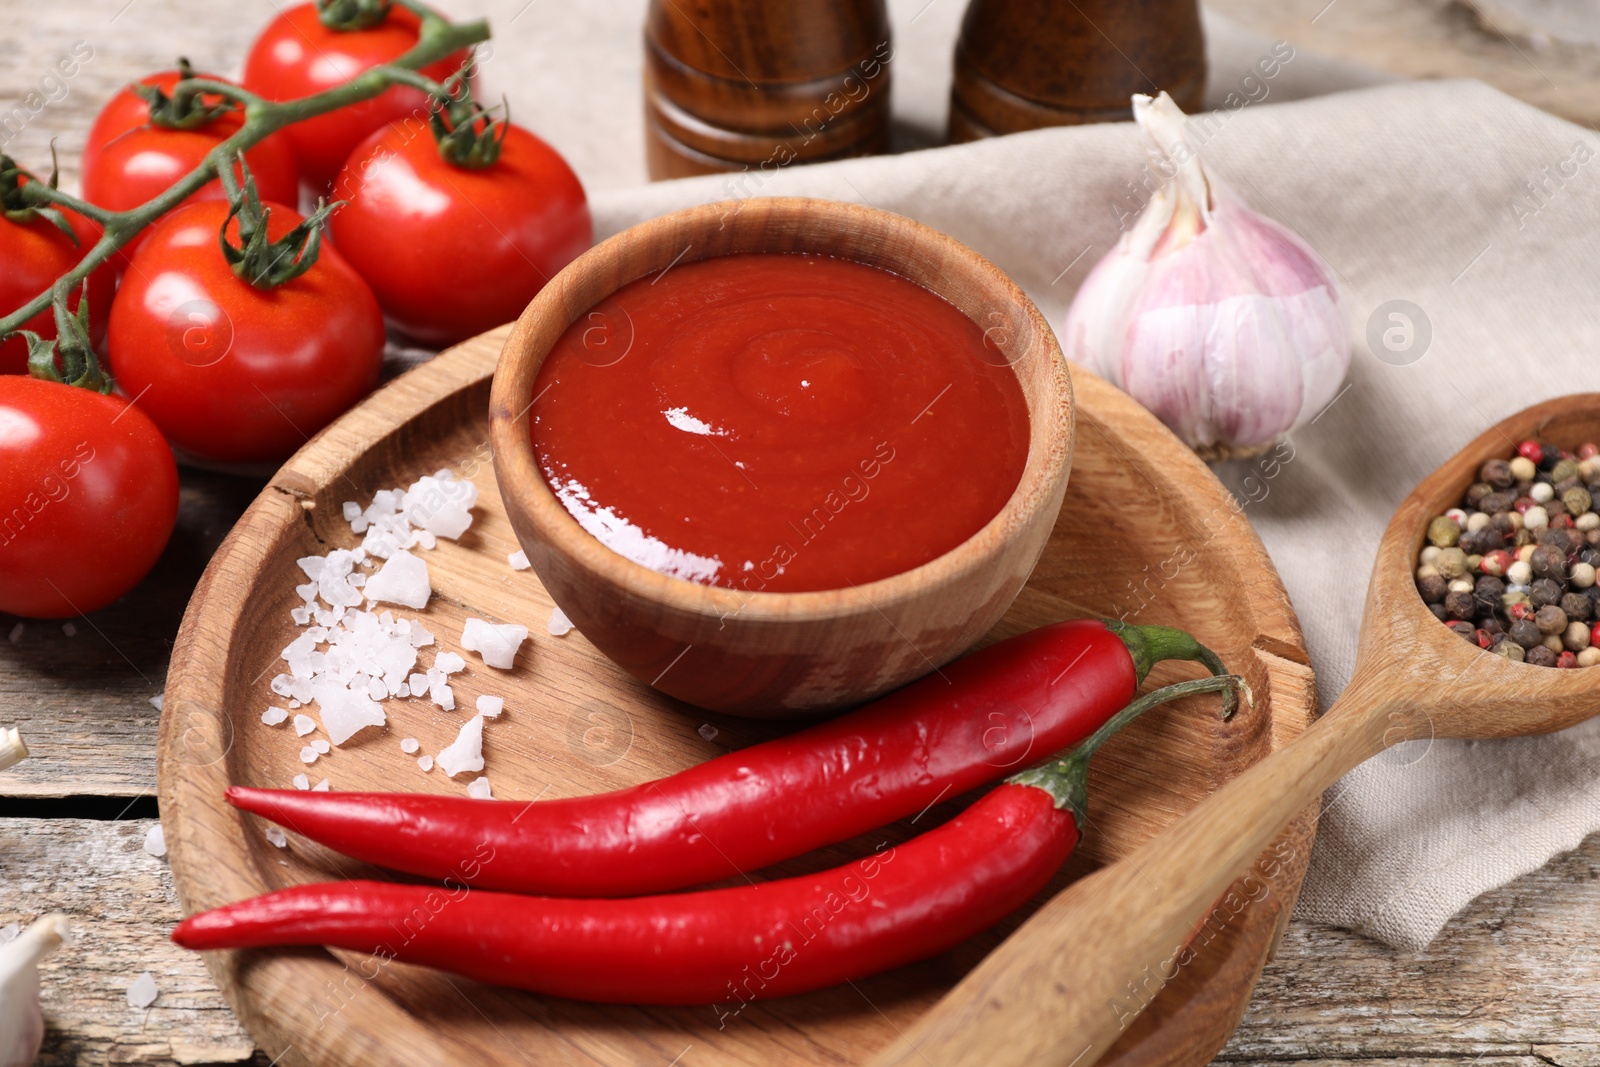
{"type": "Point", "coordinates": [782, 654]}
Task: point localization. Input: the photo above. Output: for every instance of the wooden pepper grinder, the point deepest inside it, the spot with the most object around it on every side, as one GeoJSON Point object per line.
{"type": "Point", "coordinates": [759, 84]}
{"type": "Point", "coordinates": [1023, 64]}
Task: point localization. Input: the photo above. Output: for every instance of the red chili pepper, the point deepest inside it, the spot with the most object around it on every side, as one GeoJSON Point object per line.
{"type": "Point", "coordinates": [720, 946]}
{"type": "Point", "coordinates": [979, 718]}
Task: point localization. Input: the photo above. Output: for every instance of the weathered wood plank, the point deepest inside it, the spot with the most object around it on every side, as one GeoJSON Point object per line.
{"type": "Point", "coordinates": [1435, 39]}
{"type": "Point", "coordinates": [121, 904]}
{"type": "Point", "coordinates": [1504, 986]}
{"type": "Point", "coordinates": [83, 702]}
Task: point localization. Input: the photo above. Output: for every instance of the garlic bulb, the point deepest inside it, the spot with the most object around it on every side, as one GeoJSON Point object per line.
{"type": "Point", "coordinates": [21, 1021]}
{"type": "Point", "coordinates": [1225, 324]}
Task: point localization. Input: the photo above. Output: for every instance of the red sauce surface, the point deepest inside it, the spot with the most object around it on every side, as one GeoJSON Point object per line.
{"type": "Point", "coordinates": [779, 423]}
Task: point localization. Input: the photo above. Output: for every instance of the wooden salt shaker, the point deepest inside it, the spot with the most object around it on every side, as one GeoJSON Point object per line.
{"type": "Point", "coordinates": [733, 85]}
{"type": "Point", "coordinates": [1023, 64]}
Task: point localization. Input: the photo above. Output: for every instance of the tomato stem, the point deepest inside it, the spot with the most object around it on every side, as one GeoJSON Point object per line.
{"type": "Point", "coordinates": [1067, 779]}
{"type": "Point", "coordinates": [437, 39]}
{"type": "Point", "coordinates": [68, 357]}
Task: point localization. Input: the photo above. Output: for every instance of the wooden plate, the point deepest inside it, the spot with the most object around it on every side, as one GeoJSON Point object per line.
{"type": "Point", "coordinates": [1145, 531]}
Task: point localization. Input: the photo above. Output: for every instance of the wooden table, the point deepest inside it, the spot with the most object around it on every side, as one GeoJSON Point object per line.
{"type": "Point", "coordinates": [1511, 981]}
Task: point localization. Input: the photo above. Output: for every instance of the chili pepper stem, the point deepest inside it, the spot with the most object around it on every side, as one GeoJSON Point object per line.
{"type": "Point", "coordinates": [1150, 645]}
{"type": "Point", "coordinates": [1067, 779]}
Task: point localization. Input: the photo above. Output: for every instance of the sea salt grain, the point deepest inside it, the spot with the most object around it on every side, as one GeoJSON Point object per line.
{"type": "Point", "coordinates": [449, 663]}
{"type": "Point", "coordinates": [142, 991]}
{"type": "Point", "coordinates": [320, 787]}
{"type": "Point", "coordinates": [302, 781]}
{"type": "Point", "coordinates": [274, 716]}
{"type": "Point", "coordinates": [304, 724]}
{"type": "Point", "coordinates": [321, 746]}
{"type": "Point", "coordinates": [425, 762]}
{"type": "Point", "coordinates": [466, 752]}
{"type": "Point", "coordinates": [69, 629]}
{"type": "Point", "coordinates": [497, 644]}
{"type": "Point", "coordinates": [308, 755]}
{"type": "Point", "coordinates": [490, 706]}
{"type": "Point", "coordinates": [277, 836]}
{"type": "Point", "coordinates": [559, 624]}
{"type": "Point", "coordinates": [157, 700]}
{"type": "Point", "coordinates": [707, 731]}
{"type": "Point", "coordinates": [403, 580]}
{"type": "Point", "coordinates": [409, 745]}
{"type": "Point", "coordinates": [479, 789]}
{"type": "Point", "coordinates": [155, 841]}
{"type": "Point", "coordinates": [518, 560]}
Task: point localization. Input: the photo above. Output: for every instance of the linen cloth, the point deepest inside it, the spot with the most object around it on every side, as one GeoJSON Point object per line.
{"type": "Point", "coordinates": [1478, 210]}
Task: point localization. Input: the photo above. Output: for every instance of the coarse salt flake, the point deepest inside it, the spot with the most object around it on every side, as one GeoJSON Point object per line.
{"type": "Point", "coordinates": [497, 644]}
{"type": "Point", "coordinates": [321, 746]}
{"type": "Point", "coordinates": [425, 762]}
{"type": "Point", "coordinates": [320, 787]}
{"type": "Point", "coordinates": [559, 625]}
{"type": "Point", "coordinates": [304, 724]}
{"type": "Point", "coordinates": [157, 700]}
{"type": "Point", "coordinates": [478, 788]}
{"type": "Point", "coordinates": [409, 745]}
{"type": "Point", "coordinates": [518, 560]}
{"type": "Point", "coordinates": [274, 716]}
{"type": "Point", "coordinates": [449, 662]}
{"type": "Point", "coordinates": [302, 781]}
{"type": "Point", "coordinates": [142, 991]}
{"type": "Point", "coordinates": [466, 752]}
{"type": "Point", "coordinates": [490, 706]}
{"type": "Point", "coordinates": [402, 580]}
{"type": "Point", "coordinates": [155, 841]}
{"type": "Point", "coordinates": [277, 836]}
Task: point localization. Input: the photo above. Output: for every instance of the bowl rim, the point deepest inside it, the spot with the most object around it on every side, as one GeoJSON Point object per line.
{"type": "Point", "coordinates": [518, 475]}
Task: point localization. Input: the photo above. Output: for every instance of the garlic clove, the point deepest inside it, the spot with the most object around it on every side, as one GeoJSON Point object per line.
{"type": "Point", "coordinates": [12, 750]}
{"type": "Point", "coordinates": [1222, 322]}
{"type": "Point", "coordinates": [21, 1020]}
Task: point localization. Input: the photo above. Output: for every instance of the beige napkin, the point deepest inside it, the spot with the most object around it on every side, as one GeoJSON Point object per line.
{"type": "Point", "coordinates": [1414, 192]}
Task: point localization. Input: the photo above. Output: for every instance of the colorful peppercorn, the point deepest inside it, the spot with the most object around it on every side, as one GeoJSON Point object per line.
{"type": "Point", "coordinates": [1513, 568]}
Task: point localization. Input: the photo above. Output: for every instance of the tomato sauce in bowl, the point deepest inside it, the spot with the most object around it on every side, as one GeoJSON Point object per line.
{"type": "Point", "coordinates": [779, 423]}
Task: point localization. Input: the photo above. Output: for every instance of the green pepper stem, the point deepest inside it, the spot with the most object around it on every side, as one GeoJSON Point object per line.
{"type": "Point", "coordinates": [437, 40]}
{"type": "Point", "coordinates": [1149, 645]}
{"type": "Point", "coordinates": [1067, 779]}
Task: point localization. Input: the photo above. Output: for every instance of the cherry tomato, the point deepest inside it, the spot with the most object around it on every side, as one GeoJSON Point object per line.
{"type": "Point", "coordinates": [296, 55]}
{"type": "Point", "coordinates": [127, 161]}
{"type": "Point", "coordinates": [33, 255]}
{"type": "Point", "coordinates": [90, 491]}
{"type": "Point", "coordinates": [232, 373]}
{"type": "Point", "coordinates": [450, 251]}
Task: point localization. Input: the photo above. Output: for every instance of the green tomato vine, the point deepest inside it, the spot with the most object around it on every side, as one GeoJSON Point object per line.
{"type": "Point", "coordinates": [437, 39]}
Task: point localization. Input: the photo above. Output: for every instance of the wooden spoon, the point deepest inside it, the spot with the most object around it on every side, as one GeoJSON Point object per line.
{"type": "Point", "coordinates": [1056, 991]}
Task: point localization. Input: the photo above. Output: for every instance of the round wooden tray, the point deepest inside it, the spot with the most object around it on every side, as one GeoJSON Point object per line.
{"type": "Point", "coordinates": [1145, 531]}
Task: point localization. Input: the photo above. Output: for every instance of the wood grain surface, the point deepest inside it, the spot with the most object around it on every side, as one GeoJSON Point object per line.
{"type": "Point", "coordinates": [1503, 986]}
{"type": "Point", "coordinates": [1413, 679]}
{"type": "Point", "coordinates": [1216, 582]}
{"type": "Point", "coordinates": [1509, 983]}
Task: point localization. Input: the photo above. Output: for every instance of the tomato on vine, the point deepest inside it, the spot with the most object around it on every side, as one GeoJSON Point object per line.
{"type": "Point", "coordinates": [89, 486]}
{"type": "Point", "coordinates": [483, 208]}
{"type": "Point", "coordinates": [241, 349]}
{"type": "Point", "coordinates": [316, 46]}
{"type": "Point", "coordinates": [143, 141]}
{"type": "Point", "coordinates": [37, 246]}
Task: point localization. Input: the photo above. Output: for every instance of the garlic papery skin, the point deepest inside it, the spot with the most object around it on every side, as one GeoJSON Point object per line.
{"type": "Point", "coordinates": [12, 750]}
{"type": "Point", "coordinates": [1223, 323]}
{"type": "Point", "coordinates": [21, 1020]}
